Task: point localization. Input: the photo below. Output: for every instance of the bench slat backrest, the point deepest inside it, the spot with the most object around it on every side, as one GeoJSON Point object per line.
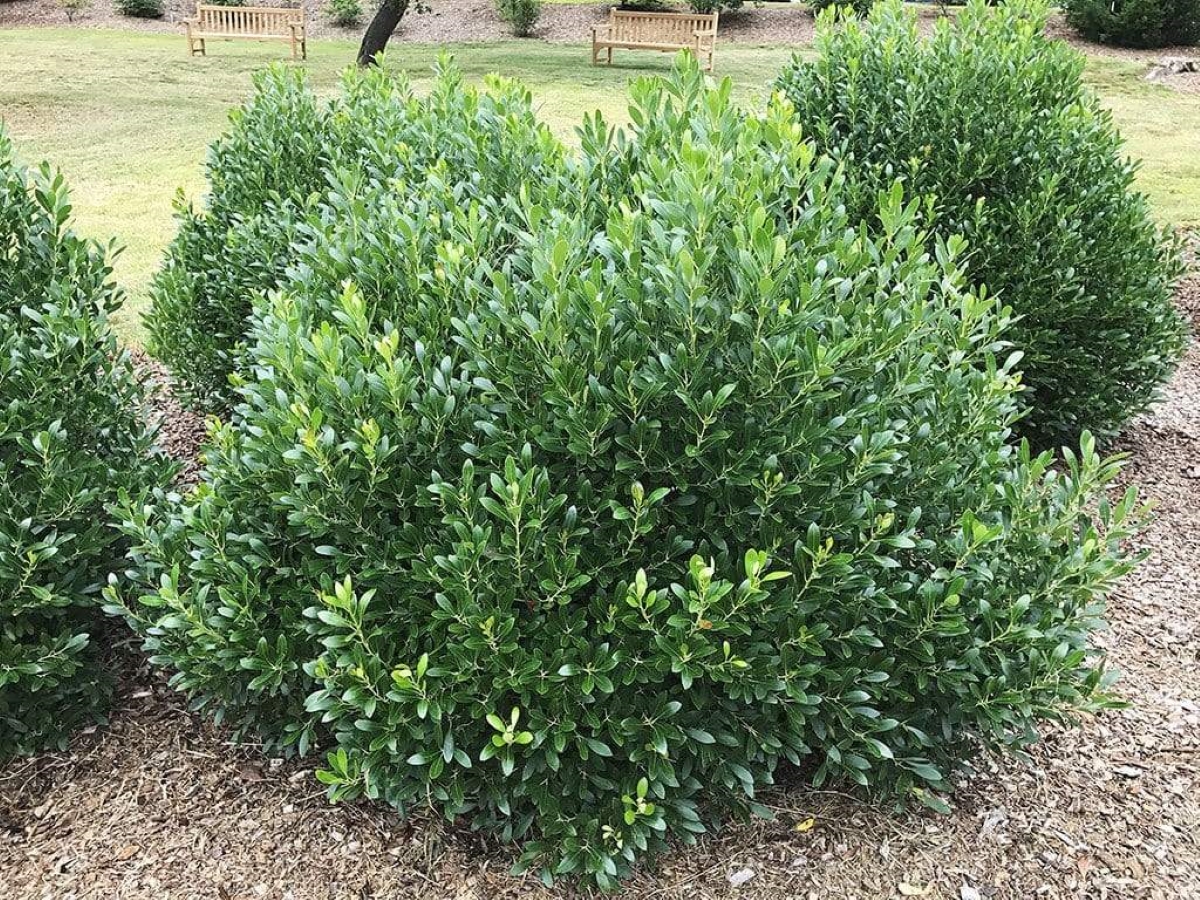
{"type": "Point", "coordinates": [659, 28]}
{"type": "Point", "coordinates": [249, 20]}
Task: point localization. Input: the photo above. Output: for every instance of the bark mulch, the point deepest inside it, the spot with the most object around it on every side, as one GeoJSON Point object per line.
{"type": "Point", "coordinates": [160, 805]}
{"type": "Point", "coordinates": [181, 432]}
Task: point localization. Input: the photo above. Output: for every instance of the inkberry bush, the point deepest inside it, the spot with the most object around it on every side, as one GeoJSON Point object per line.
{"type": "Point", "coordinates": [854, 7]}
{"type": "Point", "coordinates": [1136, 23]}
{"type": "Point", "coordinates": [71, 439]}
{"type": "Point", "coordinates": [268, 181]}
{"type": "Point", "coordinates": [520, 15]}
{"type": "Point", "coordinates": [989, 118]}
{"type": "Point", "coordinates": [141, 9]}
{"type": "Point", "coordinates": [261, 175]}
{"type": "Point", "coordinates": [574, 494]}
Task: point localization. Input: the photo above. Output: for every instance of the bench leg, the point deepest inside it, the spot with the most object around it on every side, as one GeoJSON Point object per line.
{"type": "Point", "coordinates": [610, 49]}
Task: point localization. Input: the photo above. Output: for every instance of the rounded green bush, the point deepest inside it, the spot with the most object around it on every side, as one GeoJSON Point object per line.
{"type": "Point", "coordinates": [520, 15]}
{"type": "Point", "coordinates": [261, 176]}
{"type": "Point", "coordinates": [989, 119]}
{"type": "Point", "coordinates": [854, 7]}
{"type": "Point", "coordinates": [140, 9]}
{"type": "Point", "coordinates": [267, 178]}
{"type": "Point", "coordinates": [1136, 23]}
{"type": "Point", "coordinates": [345, 13]}
{"type": "Point", "coordinates": [71, 439]}
{"type": "Point", "coordinates": [710, 6]}
{"type": "Point", "coordinates": [573, 495]}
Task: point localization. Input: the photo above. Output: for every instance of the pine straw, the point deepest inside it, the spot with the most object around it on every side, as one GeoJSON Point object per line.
{"type": "Point", "coordinates": [160, 805]}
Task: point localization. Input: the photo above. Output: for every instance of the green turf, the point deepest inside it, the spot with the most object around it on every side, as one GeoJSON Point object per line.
{"type": "Point", "coordinates": [127, 116]}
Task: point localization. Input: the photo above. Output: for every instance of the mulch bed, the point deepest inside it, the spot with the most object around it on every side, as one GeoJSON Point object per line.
{"type": "Point", "coordinates": [160, 805]}
{"type": "Point", "coordinates": [181, 432]}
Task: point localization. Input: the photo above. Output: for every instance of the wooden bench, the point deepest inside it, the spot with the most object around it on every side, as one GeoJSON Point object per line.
{"type": "Point", "coordinates": [252, 23]}
{"type": "Point", "coordinates": [665, 32]}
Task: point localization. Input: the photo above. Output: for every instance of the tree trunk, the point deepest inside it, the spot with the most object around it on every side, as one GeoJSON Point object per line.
{"type": "Point", "coordinates": [386, 19]}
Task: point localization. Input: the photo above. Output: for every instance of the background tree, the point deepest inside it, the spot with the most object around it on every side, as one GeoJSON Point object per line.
{"type": "Point", "coordinates": [382, 26]}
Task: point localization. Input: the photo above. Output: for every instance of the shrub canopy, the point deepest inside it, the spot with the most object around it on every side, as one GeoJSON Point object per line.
{"type": "Point", "coordinates": [269, 176]}
{"type": "Point", "coordinates": [572, 494]}
{"type": "Point", "coordinates": [990, 119]}
{"type": "Point", "coordinates": [709, 6]}
{"type": "Point", "coordinates": [855, 7]}
{"type": "Point", "coordinates": [70, 439]}
{"type": "Point", "coordinates": [1136, 23]}
{"type": "Point", "coordinates": [141, 9]}
{"type": "Point", "coordinates": [260, 176]}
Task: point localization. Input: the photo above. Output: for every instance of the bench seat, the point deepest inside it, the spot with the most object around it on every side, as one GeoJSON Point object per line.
{"type": "Point", "coordinates": [247, 23]}
{"type": "Point", "coordinates": [663, 32]}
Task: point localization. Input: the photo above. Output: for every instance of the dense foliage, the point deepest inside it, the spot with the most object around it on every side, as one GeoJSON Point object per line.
{"type": "Point", "coordinates": [345, 13]}
{"type": "Point", "coordinates": [990, 119]}
{"type": "Point", "coordinates": [521, 15]}
{"type": "Point", "coordinates": [141, 9]}
{"type": "Point", "coordinates": [267, 178]}
{"type": "Point", "coordinates": [857, 7]}
{"type": "Point", "coordinates": [70, 439]}
{"type": "Point", "coordinates": [261, 175]}
{"type": "Point", "coordinates": [572, 494]}
{"type": "Point", "coordinates": [711, 6]}
{"type": "Point", "coordinates": [1136, 23]}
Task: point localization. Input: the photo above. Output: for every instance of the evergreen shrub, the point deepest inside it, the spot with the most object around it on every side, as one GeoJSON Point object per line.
{"type": "Point", "coordinates": [571, 494]}
{"type": "Point", "coordinates": [991, 120]}
{"type": "Point", "coordinates": [71, 440]}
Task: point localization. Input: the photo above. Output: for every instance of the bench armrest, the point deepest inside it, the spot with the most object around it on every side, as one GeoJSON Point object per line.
{"type": "Point", "coordinates": [195, 21]}
{"type": "Point", "coordinates": [712, 32]}
{"type": "Point", "coordinates": [596, 29]}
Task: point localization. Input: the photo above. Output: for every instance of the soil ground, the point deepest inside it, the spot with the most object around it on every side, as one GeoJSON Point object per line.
{"type": "Point", "coordinates": [160, 805]}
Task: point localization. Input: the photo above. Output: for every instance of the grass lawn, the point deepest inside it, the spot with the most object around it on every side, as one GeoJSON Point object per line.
{"type": "Point", "coordinates": [127, 116]}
